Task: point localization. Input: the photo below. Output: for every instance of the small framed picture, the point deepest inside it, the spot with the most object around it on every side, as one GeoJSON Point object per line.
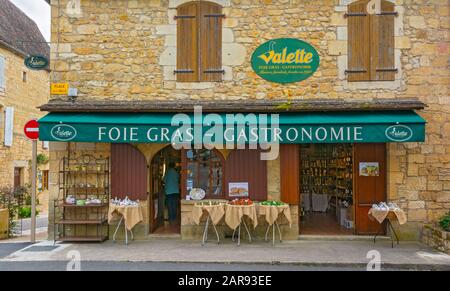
{"type": "Point", "coordinates": [369, 169]}
{"type": "Point", "coordinates": [238, 189]}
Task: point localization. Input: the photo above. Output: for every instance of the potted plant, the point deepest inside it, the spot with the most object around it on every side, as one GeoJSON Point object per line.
{"type": "Point", "coordinates": [444, 222]}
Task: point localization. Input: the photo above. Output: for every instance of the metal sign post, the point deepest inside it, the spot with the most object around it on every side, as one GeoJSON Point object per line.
{"type": "Point", "coordinates": [31, 131]}
{"type": "Point", "coordinates": [33, 191]}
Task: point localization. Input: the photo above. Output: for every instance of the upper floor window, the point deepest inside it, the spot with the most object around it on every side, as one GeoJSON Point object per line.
{"type": "Point", "coordinates": [199, 42]}
{"type": "Point", "coordinates": [371, 45]}
{"type": "Point", "coordinates": [2, 72]}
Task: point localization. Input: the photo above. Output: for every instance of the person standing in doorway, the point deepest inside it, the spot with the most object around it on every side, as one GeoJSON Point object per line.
{"type": "Point", "coordinates": [172, 191]}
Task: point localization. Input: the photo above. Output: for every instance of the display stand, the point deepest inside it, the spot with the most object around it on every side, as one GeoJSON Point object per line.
{"type": "Point", "coordinates": [205, 232]}
{"type": "Point", "coordinates": [239, 232]}
{"type": "Point", "coordinates": [390, 216]}
{"type": "Point", "coordinates": [82, 178]}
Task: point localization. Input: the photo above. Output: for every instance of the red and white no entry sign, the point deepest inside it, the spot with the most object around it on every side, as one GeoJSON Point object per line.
{"type": "Point", "coordinates": [31, 129]}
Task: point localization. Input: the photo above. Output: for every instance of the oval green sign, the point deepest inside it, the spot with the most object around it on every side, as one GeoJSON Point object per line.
{"type": "Point", "coordinates": [285, 60]}
{"type": "Point", "coordinates": [63, 132]}
{"type": "Point", "coordinates": [36, 62]}
{"type": "Point", "coordinates": [399, 133]}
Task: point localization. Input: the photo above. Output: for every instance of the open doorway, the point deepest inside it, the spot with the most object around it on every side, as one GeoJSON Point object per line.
{"type": "Point", "coordinates": [326, 202]}
{"type": "Point", "coordinates": [165, 214]}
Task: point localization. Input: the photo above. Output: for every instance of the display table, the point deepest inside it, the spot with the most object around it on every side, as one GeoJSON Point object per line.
{"type": "Point", "coordinates": [214, 212]}
{"type": "Point", "coordinates": [306, 202]}
{"type": "Point", "coordinates": [234, 217]}
{"type": "Point", "coordinates": [272, 215]}
{"type": "Point", "coordinates": [320, 202]}
{"type": "Point", "coordinates": [387, 215]}
{"type": "Point", "coordinates": [129, 216]}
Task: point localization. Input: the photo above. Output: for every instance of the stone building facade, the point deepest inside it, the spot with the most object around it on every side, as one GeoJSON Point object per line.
{"type": "Point", "coordinates": [125, 50]}
{"type": "Point", "coordinates": [22, 90]}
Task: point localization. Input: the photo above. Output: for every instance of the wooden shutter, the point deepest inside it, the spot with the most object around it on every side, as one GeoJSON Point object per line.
{"type": "Point", "coordinates": [187, 43]}
{"type": "Point", "coordinates": [128, 172]}
{"type": "Point", "coordinates": [358, 42]}
{"type": "Point", "coordinates": [368, 190]}
{"type": "Point", "coordinates": [383, 44]}
{"type": "Point", "coordinates": [290, 173]}
{"type": "Point", "coordinates": [2, 72]}
{"type": "Point", "coordinates": [247, 166]}
{"type": "Point", "coordinates": [210, 23]}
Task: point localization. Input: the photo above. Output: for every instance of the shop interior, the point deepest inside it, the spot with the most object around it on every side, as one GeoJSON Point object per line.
{"type": "Point", "coordinates": [326, 202]}
{"type": "Point", "coordinates": [159, 167]}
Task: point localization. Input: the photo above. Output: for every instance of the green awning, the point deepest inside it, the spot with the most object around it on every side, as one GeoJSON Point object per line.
{"type": "Point", "coordinates": [311, 127]}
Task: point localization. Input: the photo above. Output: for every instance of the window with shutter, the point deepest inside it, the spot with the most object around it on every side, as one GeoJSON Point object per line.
{"type": "Point", "coordinates": [187, 43]}
{"type": "Point", "coordinates": [371, 51]}
{"type": "Point", "coordinates": [199, 42]}
{"type": "Point", "coordinates": [2, 72]}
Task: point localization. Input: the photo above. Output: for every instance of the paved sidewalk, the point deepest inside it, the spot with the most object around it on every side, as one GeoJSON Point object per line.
{"type": "Point", "coordinates": [409, 255]}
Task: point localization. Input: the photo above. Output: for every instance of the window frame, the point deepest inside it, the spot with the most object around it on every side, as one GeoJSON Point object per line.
{"type": "Point", "coordinates": [2, 73]}
{"type": "Point", "coordinates": [184, 167]}
{"type": "Point", "coordinates": [201, 57]}
{"type": "Point", "coordinates": [371, 38]}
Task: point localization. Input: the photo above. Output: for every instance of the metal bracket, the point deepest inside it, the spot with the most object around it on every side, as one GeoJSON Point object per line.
{"type": "Point", "coordinates": [183, 72]}
{"type": "Point", "coordinates": [350, 14]}
{"type": "Point", "coordinates": [216, 15]}
{"type": "Point", "coordinates": [394, 13]}
{"type": "Point", "coordinates": [383, 13]}
{"type": "Point", "coordinates": [387, 70]}
{"type": "Point", "coordinates": [355, 71]}
{"type": "Point", "coordinates": [215, 71]}
{"type": "Point", "coordinates": [183, 16]}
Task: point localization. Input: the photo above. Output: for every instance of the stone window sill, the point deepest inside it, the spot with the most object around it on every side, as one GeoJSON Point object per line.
{"type": "Point", "coordinates": [372, 85]}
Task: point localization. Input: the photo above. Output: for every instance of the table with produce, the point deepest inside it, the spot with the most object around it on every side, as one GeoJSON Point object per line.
{"type": "Point", "coordinates": [214, 211]}
{"type": "Point", "coordinates": [388, 212]}
{"type": "Point", "coordinates": [273, 211]}
{"type": "Point", "coordinates": [130, 213]}
{"type": "Point", "coordinates": [235, 213]}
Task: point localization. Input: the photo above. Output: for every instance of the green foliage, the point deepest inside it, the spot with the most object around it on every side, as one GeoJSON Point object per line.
{"type": "Point", "coordinates": [41, 159]}
{"type": "Point", "coordinates": [444, 222]}
{"type": "Point", "coordinates": [25, 212]}
{"type": "Point", "coordinates": [10, 202]}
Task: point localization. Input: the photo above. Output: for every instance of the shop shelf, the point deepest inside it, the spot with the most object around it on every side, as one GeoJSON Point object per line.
{"type": "Point", "coordinates": [83, 238]}
{"type": "Point", "coordinates": [84, 206]}
{"type": "Point", "coordinates": [89, 221]}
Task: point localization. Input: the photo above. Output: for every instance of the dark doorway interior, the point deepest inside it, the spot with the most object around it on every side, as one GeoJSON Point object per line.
{"type": "Point", "coordinates": [326, 201]}
{"type": "Point", "coordinates": [18, 177]}
{"type": "Point", "coordinates": [159, 216]}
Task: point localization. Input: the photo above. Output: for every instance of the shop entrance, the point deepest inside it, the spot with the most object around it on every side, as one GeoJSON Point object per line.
{"type": "Point", "coordinates": [165, 207]}
{"type": "Point", "coordinates": [326, 189]}
{"type": "Point", "coordinates": [339, 183]}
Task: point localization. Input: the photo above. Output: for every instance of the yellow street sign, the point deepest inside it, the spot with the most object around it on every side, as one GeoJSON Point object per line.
{"type": "Point", "coordinates": [59, 89]}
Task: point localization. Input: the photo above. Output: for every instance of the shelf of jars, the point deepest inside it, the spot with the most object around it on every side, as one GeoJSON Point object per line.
{"type": "Point", "coordinates": [329, 171]}
{"type": "Point", "coordinates": [81, 209]}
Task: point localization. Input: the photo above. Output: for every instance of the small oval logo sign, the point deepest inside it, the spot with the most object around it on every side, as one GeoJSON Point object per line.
{"type": "Point", "coordinates": [63, 132]}
{"type": "Point", "coordinates": [399, 133]}
{"type": "Point", "coordinates": [285, 60]}
{"type": "Point", "coordinates": [36, 62]}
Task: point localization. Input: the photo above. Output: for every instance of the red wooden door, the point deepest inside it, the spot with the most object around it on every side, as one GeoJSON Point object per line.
{"type": "Point", "coordinates": [290, 173]}
{"type": "Point", "coordinates": [128, 172]}
{"type": "Point", "coordinates": [247, 166]}
{"type": "Point", "coordinates": [368, 189]}
{"type": "Point", "coordinates": [17, 177]}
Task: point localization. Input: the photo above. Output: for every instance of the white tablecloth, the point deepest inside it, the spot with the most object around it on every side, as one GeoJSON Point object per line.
{"type": "Point", "coordinates": [306, 203]}
{"type": "Point", "coordinates": [320, 202]}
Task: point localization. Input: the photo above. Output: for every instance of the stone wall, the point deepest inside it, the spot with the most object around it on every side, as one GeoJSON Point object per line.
{"type": "Point", "coordinates": [436, 237]}
{"type": "Point", "coordinates": [24, 97]}
{"type": "Point", "coordinates": [118, 50]}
